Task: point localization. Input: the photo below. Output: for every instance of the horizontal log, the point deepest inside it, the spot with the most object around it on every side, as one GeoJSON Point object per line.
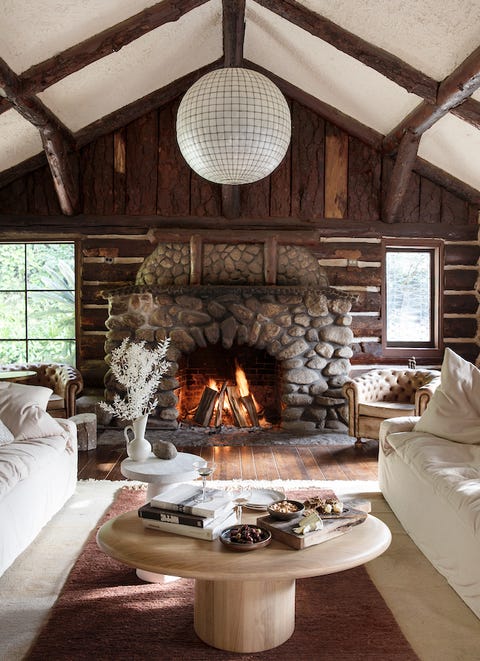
{"type": "Point", "coordinates": [462, 255]}
{"type": "Point", "coordinates": [114, 247]}
{"type": "Point", "coordinates": [460, 327]}
{"type": "Point", "coordinates": [124, 225]}
{"type": "Point", "coordinates": [367, 301]}
{"type": "Point", "coordinates": [349, 250]}
{"type": "Point", "coordinates": [93, 318]}
{"type": "Point", "coordinates": [366, 326]}
{"type": "Point", "coordinates": [106, 272]}
{"type": "Point", "coordinates": [460, 279]}
{"type": "Point", "coordinates": [460, 304]}
{"type": "Point", "coordinates": [467, 350]}
{"type": "Point", "coordinates": [353, 276]}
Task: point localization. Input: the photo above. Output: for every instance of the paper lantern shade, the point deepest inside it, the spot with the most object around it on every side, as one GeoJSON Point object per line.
{"type": "Point", "coordinates": [233, 126]}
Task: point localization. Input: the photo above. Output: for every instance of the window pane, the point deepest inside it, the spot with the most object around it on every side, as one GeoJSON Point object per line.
{"type": "Point", "coordinates": [50, 315]}
{"type": "Point", "coordinates": [50, 266]}
{"type": "Point", "coordinates": [51, 351]}
{"type": "Point", "coordinates": [13, 352]}
{"type": "Point", "coordinates": [12, 266]}
{"type": "Point", "coordinates": [408, 297]}
{"type": "Point", "coordinates": [12, 317]}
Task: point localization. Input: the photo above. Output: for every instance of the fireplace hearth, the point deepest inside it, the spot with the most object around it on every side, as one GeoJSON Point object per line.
{"type": "Point", "coordinates": [291, 337]}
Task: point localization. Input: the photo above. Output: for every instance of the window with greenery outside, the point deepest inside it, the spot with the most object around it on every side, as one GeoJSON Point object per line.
{"type": "Point", "coordinates": [37, 302]}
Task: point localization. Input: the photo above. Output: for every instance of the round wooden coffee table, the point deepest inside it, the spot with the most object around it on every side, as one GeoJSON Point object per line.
{"type": "Point", "coordinates": [244, 602]}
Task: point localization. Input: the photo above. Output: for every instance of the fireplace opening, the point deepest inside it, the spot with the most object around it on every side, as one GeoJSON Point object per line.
{"type": "Point", "coordinates": [237, 387]}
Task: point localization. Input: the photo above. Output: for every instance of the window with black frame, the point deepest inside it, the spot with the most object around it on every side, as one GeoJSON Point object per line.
{"type": "Point", "coordinates": [37, 302]}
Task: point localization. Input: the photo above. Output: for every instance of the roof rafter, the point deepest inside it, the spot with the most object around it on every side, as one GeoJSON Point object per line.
{"type": "Point", "coordinates": [46, 73]}
{"type": "Point", "coordinates": [376, 58]}
{"type": "Point", "coordinates": [452, 91]}
{"type": "Point", "coordinates": [56, 139]}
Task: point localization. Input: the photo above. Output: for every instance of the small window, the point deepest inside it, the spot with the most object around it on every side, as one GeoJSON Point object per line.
{"type": "Point", "coordinates": [412, 296]}
{"type": "Point", "coordinates": [37, 302]}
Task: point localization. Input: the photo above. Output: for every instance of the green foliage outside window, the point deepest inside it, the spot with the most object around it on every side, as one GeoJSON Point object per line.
{"type": "Point", "coordinates": [37, 302]}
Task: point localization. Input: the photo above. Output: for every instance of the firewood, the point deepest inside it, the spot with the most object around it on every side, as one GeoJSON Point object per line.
{"type": "Point", "coordinates": [236, 406]}
{"type": "Point", "coordinates": [249, 404]}
{"type": "Point", "coordinates": [220, 401]}
{"type": "Point", "coordinates": [206, 406]}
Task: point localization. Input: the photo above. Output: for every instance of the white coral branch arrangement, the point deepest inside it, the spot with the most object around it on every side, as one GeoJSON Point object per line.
{"type": "Point", "coordinates": [139, 370]}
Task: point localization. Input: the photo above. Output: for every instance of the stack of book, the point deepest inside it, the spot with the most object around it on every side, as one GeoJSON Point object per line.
{"type": "Point", "coordinates": [177, 510]}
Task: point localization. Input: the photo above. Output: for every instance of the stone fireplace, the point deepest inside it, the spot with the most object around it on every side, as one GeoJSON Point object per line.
{"type": "Point", "coordinates": [264, 305]}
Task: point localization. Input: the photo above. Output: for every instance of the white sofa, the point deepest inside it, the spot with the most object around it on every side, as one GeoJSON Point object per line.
{"type": "Point", "coordinates": [429, 473]}
{"type": "Point", "coordinates": [38, 466]}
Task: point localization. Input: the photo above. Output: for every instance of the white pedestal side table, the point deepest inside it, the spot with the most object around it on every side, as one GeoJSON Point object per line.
{"type": "Point", "coordinates": [159, 473]}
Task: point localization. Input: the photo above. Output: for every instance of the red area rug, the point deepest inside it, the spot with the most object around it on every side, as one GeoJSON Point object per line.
{"type": "Point", "coordinates": [106, 613]}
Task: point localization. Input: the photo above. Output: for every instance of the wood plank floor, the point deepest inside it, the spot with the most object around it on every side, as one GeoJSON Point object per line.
{"type": "Point", "coordinates": [342, 461]}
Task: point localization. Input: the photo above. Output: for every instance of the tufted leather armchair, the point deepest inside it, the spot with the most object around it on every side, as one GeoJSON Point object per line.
{"type": "Point", "coordinates": [382, 394]}
{"type": "Point", "coordinates": [65, 381]}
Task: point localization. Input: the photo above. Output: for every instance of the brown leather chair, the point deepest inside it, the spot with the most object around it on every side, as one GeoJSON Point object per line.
{"type": "Point", "coordinates": [65, 381]}
{"type": "Point", "coordinates": [381, 394]}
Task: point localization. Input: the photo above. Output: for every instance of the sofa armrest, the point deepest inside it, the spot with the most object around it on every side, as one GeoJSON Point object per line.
{"type": "Point", "coordinates": [71, 431]}
{"type": "Point", "coordinates": [393, 426]}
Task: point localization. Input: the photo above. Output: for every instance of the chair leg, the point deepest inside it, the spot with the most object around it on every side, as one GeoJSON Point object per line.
{"type": "Point", "coordinates": [358, 442]}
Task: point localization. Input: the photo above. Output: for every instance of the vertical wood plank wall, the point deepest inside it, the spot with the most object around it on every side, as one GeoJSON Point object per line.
{"type": "Point", "coordinates": [138, 171]}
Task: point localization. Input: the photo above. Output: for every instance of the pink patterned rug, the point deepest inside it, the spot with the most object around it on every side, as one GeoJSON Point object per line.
{"type": "Point", "coordinates": [106, 613]}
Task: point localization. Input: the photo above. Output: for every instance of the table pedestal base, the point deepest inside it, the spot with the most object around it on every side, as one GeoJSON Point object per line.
{"type": "Point", "coordinates": [244, 616]}
{"type": "Point", "coordinates": [151, 577]}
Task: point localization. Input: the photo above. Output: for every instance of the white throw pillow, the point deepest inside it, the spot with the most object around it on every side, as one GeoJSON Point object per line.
{"type": "Point", "coordinates": [6, 435]}
{"type": "Point", "coordinates": [23, 411]}
{"type": "Point", "coordinates": [454, 410]}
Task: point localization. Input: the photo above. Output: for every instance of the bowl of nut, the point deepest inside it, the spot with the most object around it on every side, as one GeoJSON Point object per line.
{"type": "Point", "coordinates": [245, 537]}
{"type": "Point", "coordinates": [285, 509]}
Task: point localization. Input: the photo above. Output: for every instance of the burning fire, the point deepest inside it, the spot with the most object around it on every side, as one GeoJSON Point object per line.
{"type": "Point", "coordinates": [212, 384]}
{"type": "Point", "coordinates": [241, 379]}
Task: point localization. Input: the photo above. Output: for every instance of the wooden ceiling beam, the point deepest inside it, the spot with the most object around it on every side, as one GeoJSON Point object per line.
{"type": "Point", "coordinates": [469, 111]}
{"type": "Point", "coordinates": [345, 122]}
{"type": "Point", "coordinates": [233, 12]}
{"type": "Point", "coordinates": [120, 118]}
{"type": "Point", "coordinates": [47, 73]}
{"type": "Point", "coordinates": [400, 178]}
{"type": "Point", "coordinates": [56, 139]}
{"type": "Point", "coordinates": [233, 32]}
{"type": "Point", "coordinates": [376, 58]}
{"type": "Point", "coordinates": [452, 92]}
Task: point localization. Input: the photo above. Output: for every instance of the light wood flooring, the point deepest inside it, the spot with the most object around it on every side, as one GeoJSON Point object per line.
{"type": "Point", "coordinates": [340, 461]}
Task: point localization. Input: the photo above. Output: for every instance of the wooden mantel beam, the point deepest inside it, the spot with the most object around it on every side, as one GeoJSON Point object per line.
{"type": "Point", "coordinates": [452, 91]}
{"type": "Point", "coordinates": [233, 40]}
{"type": "Point", "coordinates": [56, 139]}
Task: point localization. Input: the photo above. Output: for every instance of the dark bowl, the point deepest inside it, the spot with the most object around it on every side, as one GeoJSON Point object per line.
{"type": "Point", "coordinates": [275, 511]}
{"type": "Point", "coordinates": [230, 543]}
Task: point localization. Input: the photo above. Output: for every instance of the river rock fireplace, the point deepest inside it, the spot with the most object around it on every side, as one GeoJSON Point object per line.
{"type": "Point", "coordinates": [263, 306]}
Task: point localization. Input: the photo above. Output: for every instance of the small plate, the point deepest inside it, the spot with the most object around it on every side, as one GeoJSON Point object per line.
{"type": "Point", "coordinates": [245, 546]}
{"type": "Point", "coordinates": [286, 516]}
{"type": "Point", "coordinates": [260, 499]}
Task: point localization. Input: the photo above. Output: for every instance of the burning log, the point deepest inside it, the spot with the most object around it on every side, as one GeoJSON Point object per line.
{"type": "Point", "coordinates": [220, 403]}
{"type": "Point", "coordinates": [205, 408]}
{"type": "Point", "coordinates": [236, 405]}
{"type": "Point", "coordinates": [249, 404]}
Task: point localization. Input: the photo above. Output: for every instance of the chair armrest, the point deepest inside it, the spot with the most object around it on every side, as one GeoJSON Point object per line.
{"type": "Point", "coordinates": [424, 394]}
{"type": "Point", "coordinates": [65, 381]}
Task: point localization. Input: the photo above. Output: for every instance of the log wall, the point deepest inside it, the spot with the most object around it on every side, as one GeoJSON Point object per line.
{"type": "Point", "coordinates": [330, 187]}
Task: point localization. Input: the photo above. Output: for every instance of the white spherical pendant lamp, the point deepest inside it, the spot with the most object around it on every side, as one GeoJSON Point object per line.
{"type": "Point", "coordinates": [233, 126]}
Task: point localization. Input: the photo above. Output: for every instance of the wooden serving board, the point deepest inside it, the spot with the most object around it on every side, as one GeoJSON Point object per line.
{"type": "Point", "coordinates": [332, 527]}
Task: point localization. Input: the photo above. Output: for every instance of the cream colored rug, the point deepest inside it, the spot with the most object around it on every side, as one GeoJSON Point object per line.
{"type": "Point", "coordinates": [436, 622]}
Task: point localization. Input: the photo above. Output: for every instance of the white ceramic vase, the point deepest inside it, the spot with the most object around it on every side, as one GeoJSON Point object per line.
{"type": "Point", "coordinates": [138, 448]}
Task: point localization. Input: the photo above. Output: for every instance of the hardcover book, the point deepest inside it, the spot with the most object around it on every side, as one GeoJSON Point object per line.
{"type": "Point", "coordinates": [209, 532]}
{"type": "Point", "coordinates": [169, 516]}
{"type": "Point", "coordinates": [183, 498]}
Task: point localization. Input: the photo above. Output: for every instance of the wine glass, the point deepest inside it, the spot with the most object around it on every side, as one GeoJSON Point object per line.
{"type": "Point", "coordinates": [204, 469]}
{"type": "Point", "coordinates": [240, 496]}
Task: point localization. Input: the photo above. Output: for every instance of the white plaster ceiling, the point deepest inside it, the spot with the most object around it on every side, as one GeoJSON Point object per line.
{"type": "Point", "coordinates": [432, 36]}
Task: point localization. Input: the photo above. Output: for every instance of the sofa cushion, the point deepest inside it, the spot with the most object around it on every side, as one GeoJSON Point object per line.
{"type": "Point", "coordinates": [452, 470]}
{"type": "Point", "coordinates": [22, 409]}
{"type": "Point", "coordinates": [6, 435]}
{"type": "Point", "coordinates": [454, 410]}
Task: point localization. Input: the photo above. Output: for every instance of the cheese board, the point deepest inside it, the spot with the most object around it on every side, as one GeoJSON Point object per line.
{"type": "Point", "coordinates": [283, 531]}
